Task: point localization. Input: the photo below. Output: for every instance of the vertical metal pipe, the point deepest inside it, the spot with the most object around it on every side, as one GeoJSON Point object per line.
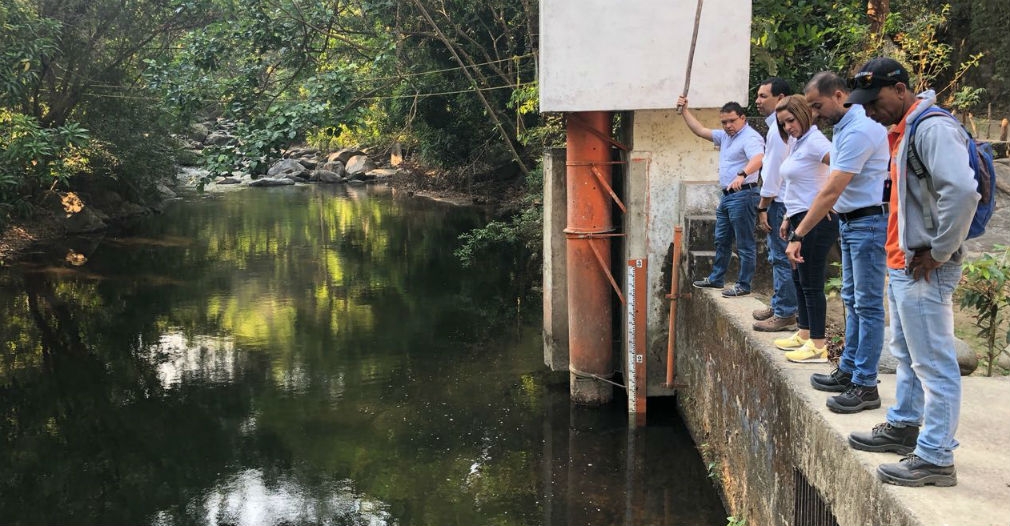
{"type": "Point", "coordinates": [589, 218]}
{"type": "Point", "coordinates": [671, 344]}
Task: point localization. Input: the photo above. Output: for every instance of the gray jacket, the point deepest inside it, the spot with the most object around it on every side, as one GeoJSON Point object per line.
{"type": "Point", "coordinates": [942, 146]}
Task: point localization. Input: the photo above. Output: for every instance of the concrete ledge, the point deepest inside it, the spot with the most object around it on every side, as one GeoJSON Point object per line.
{"type": "Point", "coordinates": [755, 416]}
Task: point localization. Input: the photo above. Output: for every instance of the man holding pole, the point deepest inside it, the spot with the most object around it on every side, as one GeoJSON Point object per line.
{"type": "Point", "coordinates": [741, 150]}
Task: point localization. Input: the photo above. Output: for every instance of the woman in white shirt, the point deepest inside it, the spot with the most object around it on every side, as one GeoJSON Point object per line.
{"type": "Point", "coordinates": [805, 171]}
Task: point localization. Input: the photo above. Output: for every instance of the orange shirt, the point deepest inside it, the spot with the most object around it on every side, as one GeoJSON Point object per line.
{"type": "Point", "coordinates": [895, 256]}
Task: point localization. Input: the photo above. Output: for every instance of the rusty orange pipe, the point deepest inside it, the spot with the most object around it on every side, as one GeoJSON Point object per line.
{"type": "Point", "coordinates": [589, 221]}
{"type": "Point", "coordinates": [671, 344]}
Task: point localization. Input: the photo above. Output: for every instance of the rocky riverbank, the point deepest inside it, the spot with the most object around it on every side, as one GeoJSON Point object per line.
{"type": "Point", "coordinates": [92, 208]}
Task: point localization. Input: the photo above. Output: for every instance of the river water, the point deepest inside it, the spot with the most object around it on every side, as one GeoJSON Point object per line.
{"type": "Point", "coordinates": [308, 355]}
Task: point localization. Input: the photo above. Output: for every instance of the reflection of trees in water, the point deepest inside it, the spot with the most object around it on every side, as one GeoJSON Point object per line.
{"type": "Point", "coordinates": [302, 351]}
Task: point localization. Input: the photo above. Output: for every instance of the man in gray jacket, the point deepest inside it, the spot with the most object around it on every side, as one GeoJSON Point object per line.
{"type": "Point", "coordinates": [928, 222]}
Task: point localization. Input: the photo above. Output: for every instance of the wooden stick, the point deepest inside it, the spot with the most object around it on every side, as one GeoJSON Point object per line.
{"type": "Point", "coordinates": [690, 53]}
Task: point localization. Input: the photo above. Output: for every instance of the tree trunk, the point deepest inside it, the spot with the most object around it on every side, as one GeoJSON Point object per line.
{"type": "Point", "coordinates": [877, 11]}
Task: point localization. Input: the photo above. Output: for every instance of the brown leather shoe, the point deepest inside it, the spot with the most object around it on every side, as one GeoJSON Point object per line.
{"type": "Point", "coordinates": [763, 314]}
{"type": "Point", "coordinates": [775, 324]}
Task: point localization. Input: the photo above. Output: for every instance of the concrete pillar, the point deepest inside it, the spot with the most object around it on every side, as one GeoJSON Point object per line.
{"type": "Point", "coordinates": [555, 274]}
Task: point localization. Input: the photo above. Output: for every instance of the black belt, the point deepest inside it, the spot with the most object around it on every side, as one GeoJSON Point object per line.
{"type": "Point", "coordinates": [747, 186]}
{"type": "Point", "coordinates": [874, 210]}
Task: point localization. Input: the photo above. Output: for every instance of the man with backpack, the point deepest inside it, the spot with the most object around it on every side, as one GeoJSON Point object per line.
{"type": "Point", "coordinates": [930, 216]}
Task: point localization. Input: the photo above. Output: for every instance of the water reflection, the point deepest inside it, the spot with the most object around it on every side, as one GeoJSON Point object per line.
{"type": "Point", "coordinates": [306, 356]}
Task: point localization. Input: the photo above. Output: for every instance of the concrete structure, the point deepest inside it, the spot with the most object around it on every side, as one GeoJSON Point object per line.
{"type": "Point", "coordinates": [771, 436]}
{"type": "Point", "coordinates": [602, 55]}
{"type": "Point", "coordinates": [630, 57]}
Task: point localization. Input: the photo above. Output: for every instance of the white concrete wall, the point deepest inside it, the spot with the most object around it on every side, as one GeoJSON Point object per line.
{"type": "Point", "coordinates": [609, 55]}
{"type": "Point", "coordinates": [682, 175]}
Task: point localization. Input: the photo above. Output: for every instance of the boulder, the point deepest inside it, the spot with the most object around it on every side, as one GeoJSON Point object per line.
{"type": "Point", "coordinates": [326, 176]}
{"type": "Point", "coordinates": [301, 152]}
{"type": "Point", "coordinates": [165, 191]}
{"type": "Point", "coordinates": [219, 138]}
{"type": "Point", "coordinates": [272, 181]}
{"type": "Point", "coordinates": [190, 157]}
{"type": "Point", "coordinates": [308, 162]}
{"type": "Point", "coordinates": [286, 167]}
{"type": "Point", "coordinates": [336, 167]}
{"type": "Point", "coordinates": [343, 155]}
{"type": "Point", "coordinates": [359, 164]}
{"type": "Point", "coordinates": [228, 180]}
{"type": "Point", "coordinates": [87, 220]}
{"type": "Point", "coordinates": [381, 173]}
{"type": "Point", "coordinates": [966, 357]}
{"type": "Point", "coordinates": [198, 132]}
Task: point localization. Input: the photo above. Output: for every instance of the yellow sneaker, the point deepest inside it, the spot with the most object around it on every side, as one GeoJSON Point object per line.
{"type": "Point", "coordinates": [808, 354]}
{"type": "Point", "coordinates": [791, 343]}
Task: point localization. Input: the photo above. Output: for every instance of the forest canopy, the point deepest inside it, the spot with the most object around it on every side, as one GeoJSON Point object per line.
{"type": "Point", "coordinates": [103, 88]}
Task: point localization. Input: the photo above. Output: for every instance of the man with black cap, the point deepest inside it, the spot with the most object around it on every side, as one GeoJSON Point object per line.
{"type": "Point", "coordinates": [854, 189]}
{"type": "Point", "coordinates": [929, 219]}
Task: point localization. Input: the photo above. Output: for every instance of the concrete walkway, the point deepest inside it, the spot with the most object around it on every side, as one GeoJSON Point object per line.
{"type": "Point", "coordinates": [982, 495]}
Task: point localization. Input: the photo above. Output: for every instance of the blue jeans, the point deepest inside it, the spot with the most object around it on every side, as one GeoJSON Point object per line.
{"type": "Point", "coordinates": [928, 388]}
{"type": "Point", "coordinates": [734, 220]}
{"type": "Point", "coordinates": [864, 266]}
{"type": "Point", "coordinates": [784, 292]}
{"type": "Point", "coordinates": [808, 277]}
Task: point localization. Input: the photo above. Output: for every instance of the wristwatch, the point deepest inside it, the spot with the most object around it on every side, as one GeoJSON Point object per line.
{"type": "Point", "coordinates": [741, 173]}
{"type": "Point", "coordinates": [762, 209]}
{"type": "Point", "coordinates": [794, 237]}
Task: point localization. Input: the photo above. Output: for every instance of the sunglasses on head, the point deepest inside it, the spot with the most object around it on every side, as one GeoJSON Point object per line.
{"type": "Point", "coordinates": [867, 79]}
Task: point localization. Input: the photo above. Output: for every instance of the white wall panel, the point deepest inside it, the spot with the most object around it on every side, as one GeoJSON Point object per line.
{"type": "Point", "coordinates": [610, 55]}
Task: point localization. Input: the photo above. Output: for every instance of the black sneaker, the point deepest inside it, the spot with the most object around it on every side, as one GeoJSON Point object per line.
{"type": "Point", "coordinates": [706, 284]}
{"type": "Point", "coordinates": [735, 292]}
{"type": "Point", "coordinates": [855, 399]}
{"type": "Point", "coordinates": [915, 472]}
{"type": "Point", "coordinates": [836, 382]}
{"type": "Point", "coordinates": [885, 437]}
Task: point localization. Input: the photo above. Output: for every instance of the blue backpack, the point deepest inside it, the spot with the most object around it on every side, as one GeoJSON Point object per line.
{"type": "Point", "coordinates": [980, 157]}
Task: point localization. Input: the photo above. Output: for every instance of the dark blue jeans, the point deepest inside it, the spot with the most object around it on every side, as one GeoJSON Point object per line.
{"type": "Point", "coordinates": [809, 276]}
{"type": "Point", "coordinates": [734, 221]}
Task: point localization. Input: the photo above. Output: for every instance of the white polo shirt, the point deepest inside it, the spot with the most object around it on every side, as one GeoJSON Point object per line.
{"type": "Point", "coordinates": [804, 172]}
{"type": "Point", "coordinates": [772, 184]}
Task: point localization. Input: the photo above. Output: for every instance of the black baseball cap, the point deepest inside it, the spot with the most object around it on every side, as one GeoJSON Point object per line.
{"type": "Point", "coordinates": [875, 74]}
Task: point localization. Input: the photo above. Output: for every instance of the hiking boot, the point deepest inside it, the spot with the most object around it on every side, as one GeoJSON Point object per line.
{"type": "Point", "coordinates": [808, 354]}
{"type": "Point", "coordinates": [791, 343]}
{"type": "Point", "coordinates": [735, 291]}
{"type": "Point", "coordinates": [836, 382]}
{"type": "Point", "coordinates": [763, 314]}
{"type": "Point", "coordinates": [706, 284]}
{"type": "Point", "coordinates": [915, 472]}
{"type": "Point", "coordinates": [855, 399]}
{"type": "Point", "coordinates": [885, 437]}
{"type": "Point", "coordinates": [775, 324]}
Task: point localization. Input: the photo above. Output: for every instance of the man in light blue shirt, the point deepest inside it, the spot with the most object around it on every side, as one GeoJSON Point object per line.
{"type": "Point", "coordinates": [855, 188]}
{"type": "Point", "coordinates": [741, 150]}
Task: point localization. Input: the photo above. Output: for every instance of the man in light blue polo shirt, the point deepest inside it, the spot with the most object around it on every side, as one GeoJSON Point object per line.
{"type": "Point", "coordinates": [855, 188]}
{"type": "Point", "coordinates": [741, 149]}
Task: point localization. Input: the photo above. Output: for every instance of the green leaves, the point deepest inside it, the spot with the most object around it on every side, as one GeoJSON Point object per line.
{"type": "Point", "coordinates": [985, 289]}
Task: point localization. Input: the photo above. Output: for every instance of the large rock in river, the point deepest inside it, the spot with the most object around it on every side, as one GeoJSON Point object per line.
{"type": "Point", "coordinates": [287, 168]}
{"type": "Point", "coordinates": [359, 164]}
{"type": "Point", "coordinates": [272, 181]}
{"type": "Point", "coordinates": [343, 155]}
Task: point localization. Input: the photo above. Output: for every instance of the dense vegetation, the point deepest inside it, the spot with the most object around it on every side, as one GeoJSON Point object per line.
{"type": "Point", "coordinates": [97, 89]}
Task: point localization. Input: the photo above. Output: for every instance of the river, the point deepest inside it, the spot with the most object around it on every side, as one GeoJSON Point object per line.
{"type": "Point", "coordinates": [308, 355]}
